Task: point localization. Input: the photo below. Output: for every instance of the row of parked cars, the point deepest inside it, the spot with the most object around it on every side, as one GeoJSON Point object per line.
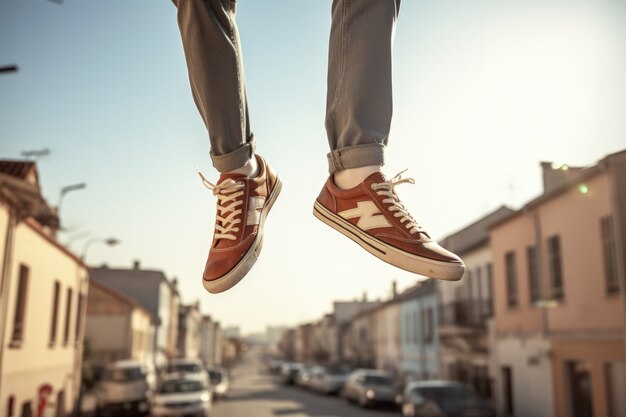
{"type": "Point", "coordinates": [371, 387]}
{"type": "Point", "coordinates": [184, 388]}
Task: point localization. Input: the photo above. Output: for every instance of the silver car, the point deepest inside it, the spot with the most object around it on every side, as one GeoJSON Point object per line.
{"type": "Point", "coordinates": [125, 389]}
{"type": "Point", "coordinates": [443, 399]}
{"type": "Point", "coordinates": [368, 387]}
{"type": "Point", "coordinates": [220, 383]}
{"type": "Point", "coordinates": [182, 398]}
{"type": "Point", "coordinates": [332, 381]}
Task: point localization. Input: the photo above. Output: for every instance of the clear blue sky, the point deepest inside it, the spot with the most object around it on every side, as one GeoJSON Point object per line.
{"type": "Point", "coordinates": [484, 90]}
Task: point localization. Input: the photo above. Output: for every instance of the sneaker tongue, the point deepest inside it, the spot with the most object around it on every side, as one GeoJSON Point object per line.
{"type": "Point", "coordinates": [235, 177]}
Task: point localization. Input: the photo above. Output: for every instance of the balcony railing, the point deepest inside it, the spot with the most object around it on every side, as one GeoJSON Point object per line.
{"type": "Point", "coordinates": [473, 313]}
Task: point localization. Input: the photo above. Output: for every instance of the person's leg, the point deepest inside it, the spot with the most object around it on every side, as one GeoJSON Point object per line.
{"type": "Point", "coordinates": [213, 54]}
{"type": "Point", "coordinates": [247, 187]}
{"type": "Point", "coordinates": [357, 200]}
{"type": "Point", "coordinates": [359, 100]}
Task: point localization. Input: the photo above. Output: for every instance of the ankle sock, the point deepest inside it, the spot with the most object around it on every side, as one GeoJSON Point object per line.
{"type": "Point", "coordinates": [350, 178]}
{"type": "Point", "coordinates": [250, 169]}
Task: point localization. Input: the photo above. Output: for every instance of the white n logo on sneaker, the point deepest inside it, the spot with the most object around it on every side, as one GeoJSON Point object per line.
{"type": "Point", "coordinates": [368, 214]}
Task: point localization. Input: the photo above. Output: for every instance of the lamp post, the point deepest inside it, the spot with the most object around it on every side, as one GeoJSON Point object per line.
{"type": "Point", "coordinates": [111, 241]}
{"type": "Point", "coordinates": [8, 68]}
{"type": "Point", "coordinates": [67, 189]}
{"type": "Point", "coordinates": [77, 236]}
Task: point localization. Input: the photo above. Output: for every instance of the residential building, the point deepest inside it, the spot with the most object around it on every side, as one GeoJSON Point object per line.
{"type": "Point", "coordinates": [152, 290]}
{"type": "Point", "coordinates": [303, 345]}
{"type": "Point", "coordinates": [287, 345]}
{"type": "Point", "coordinates": [43, 288]}
{"type": "Point", "coordinates": [360, 344]}
{"type": "Point", "coordinates": [387, 334]}
{"type": "Point", "coordinates": [273, 335]}
{"type": "Point", "coordinates": [343, 313]}
{"type": "Point", "coordinates": [325, 341]}
{"type": "Point", "coordinates": [210, 342]}
{"type": "Point", "coordinates": [117, 327]}
{"type": "Point", "coordinates": [189, 323]}
{"type": "Point", "coordinates": [558, 267]}
{"type": "Point", "coordinates": [466, 306]}
{"type": "Point", "coordinates": [232, 331]}
{"type": "Point", "coordinates": [419, 341]}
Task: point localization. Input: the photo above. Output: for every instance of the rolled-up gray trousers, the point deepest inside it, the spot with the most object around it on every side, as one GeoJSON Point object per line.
{"type": "Point", "coordinates": [359, 95]}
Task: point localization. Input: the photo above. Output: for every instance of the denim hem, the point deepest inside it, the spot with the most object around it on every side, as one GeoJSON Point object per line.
{"type": "Point", "coordinates": [356, 156]}
{"type": "Point", "coordinates": [235, 159]}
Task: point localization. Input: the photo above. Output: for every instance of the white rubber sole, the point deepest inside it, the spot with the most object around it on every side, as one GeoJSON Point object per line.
{"type": "Point", "coordinates": [431, 268]}
{"type": "Point", "coordinates": [245, 264]}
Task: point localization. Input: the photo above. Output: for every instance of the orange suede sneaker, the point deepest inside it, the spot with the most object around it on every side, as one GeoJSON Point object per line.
{"type": "Point", "coordinates": [242, 206]}
{"type": "Point", "coordinates": [373, 216]}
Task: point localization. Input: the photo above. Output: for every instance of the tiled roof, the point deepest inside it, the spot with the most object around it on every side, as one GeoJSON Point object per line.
{"type": "Point", "coordinates": [18, 169]}
{"type": "Point", "coordinates": [477, 233]}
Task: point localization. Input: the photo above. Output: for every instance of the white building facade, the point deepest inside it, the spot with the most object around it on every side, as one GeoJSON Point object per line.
{"type": "Point", "coordinates": [42, 300]}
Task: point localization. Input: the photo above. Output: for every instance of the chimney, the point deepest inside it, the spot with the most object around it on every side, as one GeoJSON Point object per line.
{"type": "Point", "coordinates": [136, 264]}
{"type": "Point", "coordinates": [556, 175]}
{"type": "Point", "coordinates": [394, 289]}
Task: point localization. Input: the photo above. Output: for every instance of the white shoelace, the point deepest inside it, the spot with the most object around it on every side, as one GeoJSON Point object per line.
{"type": "Point", "coordinates": [387, 189]}
{"type": "Point", "coordinates": [227, 193]}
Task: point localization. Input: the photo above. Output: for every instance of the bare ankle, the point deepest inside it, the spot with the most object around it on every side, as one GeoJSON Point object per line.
{"type": "Point", "coordinates": [351, 177]}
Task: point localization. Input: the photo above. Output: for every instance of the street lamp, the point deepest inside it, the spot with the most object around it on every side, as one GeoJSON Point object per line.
{"type": "Point", "coordinates": [77, 236]}
{"type": "Point", "coordinates": [111, 241]}
{"type": "Point", "coordinates": [67, 189]}
{"type": "Point", "coordinates": [8, 68]}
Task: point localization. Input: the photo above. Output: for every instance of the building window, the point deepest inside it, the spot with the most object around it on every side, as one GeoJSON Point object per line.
{"type": "Point", "coordinates": [555, 267]}
{"type": "Point", "coordinates": [427, 315]}
{"type": "Point", "coordinates": [55, 312]}
{"type": "Point", "coordinates": [580, 388]}
{"type": "Point", "coordinates": [68, 316]}
{"type": "Point", "coordinates": [477, 302]}
{"type": "Point", "coordinates": [19, 317]}
{"type": "Point", "coordinates": [11, 406]}
{"type": "Point", "coordinates": [533, 274]}
{"type": "Point", "coordinates": [507, 391]}
{"type": "Point", "coordinates": [511, 279]}
{"type": "Point", "coordinates": [610, 254]}
{"type": "Point", "coordinates": [489, 290]}
{"type": "Point", "coordinates": [27, 409]}
{"type": "Point", "coordinates": [615, 376]}
{"type": "Point", "coordinates": [415, 321]}
{"type": "Point", "coordinates": [79, 318]}
{"type": "Point", "coordinates": [407, 327]}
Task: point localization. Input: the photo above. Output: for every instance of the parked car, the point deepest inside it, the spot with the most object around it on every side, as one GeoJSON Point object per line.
{"type": "Point", "coordinates": [332, 381]}
{"type": "Point", "coordinates": [125, 388]}
{"type": "Point", "coordinates": [182, 397]}
{"type": "Point", "coordinates": [274, 365]}
{"type": "Point", "coordinates": [220, 383]}
{"type": "Point", "coordinates": [186, 368]}
{"type": "Point", "coordinates": [316, 378]}
{"type": "Point", "coordinates": [443, 399]}
{"type": "Point", "coordinates": [304, 377]}
{"type": "Point", "coordinates": [289, 372]}
{"type": "Point", "coordinates": [368, 387]}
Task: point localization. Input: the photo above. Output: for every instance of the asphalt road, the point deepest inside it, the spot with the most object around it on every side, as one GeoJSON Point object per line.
{"type": "Point", "coordinates": [254, 393]}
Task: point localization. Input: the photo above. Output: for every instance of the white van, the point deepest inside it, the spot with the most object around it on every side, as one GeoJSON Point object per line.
{"type": "Point", "coordinates": [126, 388]}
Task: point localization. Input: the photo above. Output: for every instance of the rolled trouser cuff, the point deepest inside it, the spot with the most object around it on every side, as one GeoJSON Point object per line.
{"type": "Point", "coordinates": [235, 159]}
{"type": "Point", "coordinates": [356, 156]}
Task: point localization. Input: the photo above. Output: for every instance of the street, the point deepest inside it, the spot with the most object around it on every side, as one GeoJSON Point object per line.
{"type": "Point", "coordinates": [256, 394]}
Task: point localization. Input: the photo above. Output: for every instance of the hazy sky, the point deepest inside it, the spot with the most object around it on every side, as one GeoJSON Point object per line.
{"type": "Point", "coordinates": [484, 90]}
